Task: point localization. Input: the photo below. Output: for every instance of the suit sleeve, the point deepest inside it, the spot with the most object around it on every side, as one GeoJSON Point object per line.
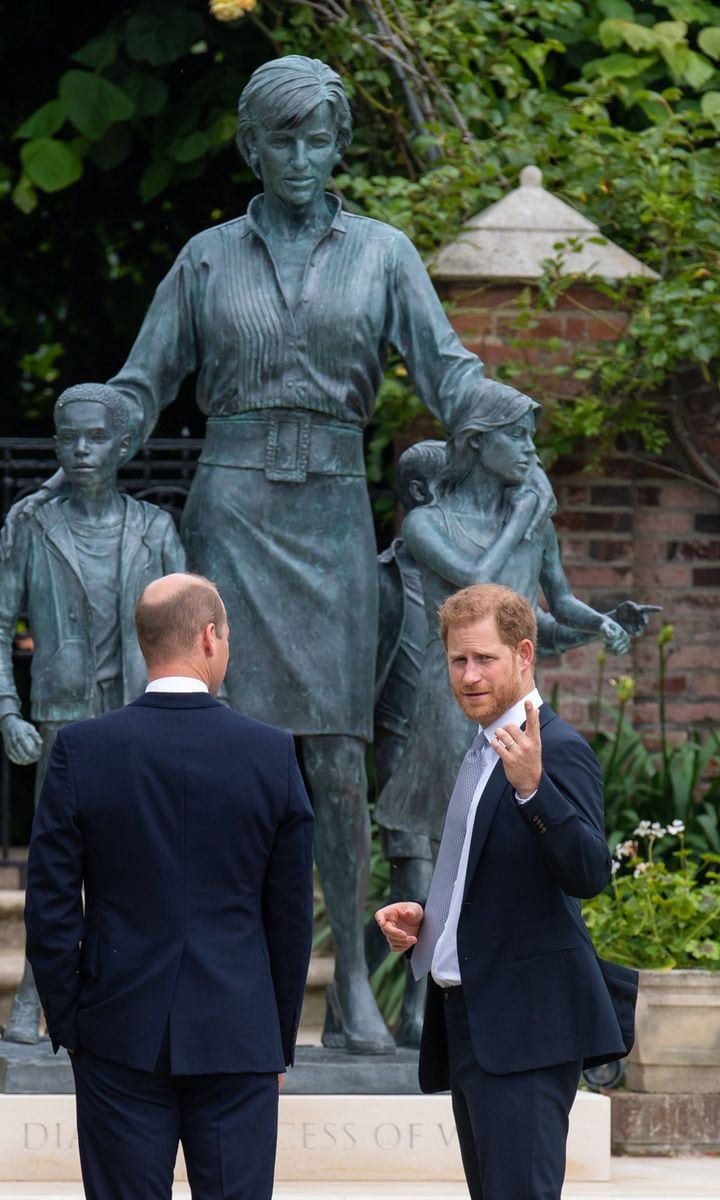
{"type": "Point", "coordinates": [288, 905]}
{"type": "Point", "coordinates": [54, 917]}
{"type": "Point", "coordinates": [566, 815]}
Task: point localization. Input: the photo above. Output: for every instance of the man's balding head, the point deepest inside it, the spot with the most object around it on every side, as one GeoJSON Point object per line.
{"type": "Point", "coordinates": [173, 616]}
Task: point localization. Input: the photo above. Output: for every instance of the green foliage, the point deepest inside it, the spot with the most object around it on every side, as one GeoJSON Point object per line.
{"type": "Point", "coordinates": [658, 915]}
{"type": "Point", "coordinates": [618, 102]}
{"type": "Point", "coordinates": [50, 164]}
{"type": "Point", "coordinates": [678, 781]}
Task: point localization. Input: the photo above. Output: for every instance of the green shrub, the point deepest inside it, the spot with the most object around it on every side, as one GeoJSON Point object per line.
{"type": "Point", "coordinates": [658, 914]}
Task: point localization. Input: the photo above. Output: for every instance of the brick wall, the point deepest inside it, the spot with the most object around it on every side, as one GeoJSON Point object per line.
{"type": "Point", "coordinates": [648, 536]}
{"type": "Point", "coordinates": [488, 318]}
{"type": "Point", "coordinates": [643, 531]}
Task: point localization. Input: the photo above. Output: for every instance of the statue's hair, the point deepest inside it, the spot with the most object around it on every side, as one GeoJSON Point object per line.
{"type": "Point", "coordinates": [168, 628]}
{"type": "Point", "coordinates": [514, 614]}
{"type": "Point", "coordinates": [460, 451]}
{"type": "Point", "coordinates": [421, 462]}
{"type": "Point", "coordinates": [281, 93]}
{"type": "Point", "coordinates": [98, 393]}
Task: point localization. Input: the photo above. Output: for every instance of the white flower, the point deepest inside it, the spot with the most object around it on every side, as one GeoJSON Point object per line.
{"type": "Point", "coordinates": [657, 830]}
{"type": "Point", "coordinates": [643, 829]}
{"type": "Point", "coordinates": [615, 866]}
{"type": "Point", "coordinates": [626, 849]}
{"type": "Point", "coordinates": [676, 827]}
{"type": "Point", "coordinates": [640, 869]}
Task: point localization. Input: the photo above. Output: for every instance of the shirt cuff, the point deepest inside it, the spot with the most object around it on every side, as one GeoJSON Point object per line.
{"type": "Point", "coordinates": [525, 799]}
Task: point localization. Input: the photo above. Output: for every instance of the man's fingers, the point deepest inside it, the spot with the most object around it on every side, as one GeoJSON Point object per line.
{"type": "Point", "coordinates": [532, 719]}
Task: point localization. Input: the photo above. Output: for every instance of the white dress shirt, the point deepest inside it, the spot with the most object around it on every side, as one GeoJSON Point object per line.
{"type": "Point", "coordinates": [445, 967]}
{"type": "Point", "coordinates": [177, 683]}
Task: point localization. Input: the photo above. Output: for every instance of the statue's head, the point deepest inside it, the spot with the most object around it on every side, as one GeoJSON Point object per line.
{"type": "Point", "coordinates": [496, 428]}
{"type": "Point", "coordinates": [283, 93]}
{"type": "Point", "coordinates": [92, 432]}
{"type": "Point", "coordinates": [416, 469]}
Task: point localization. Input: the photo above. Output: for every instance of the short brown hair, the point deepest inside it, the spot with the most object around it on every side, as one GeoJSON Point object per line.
{"type": "Point", "coordinates": [514, 614]}
{"type": "Point", "coordinates": [169, 627]}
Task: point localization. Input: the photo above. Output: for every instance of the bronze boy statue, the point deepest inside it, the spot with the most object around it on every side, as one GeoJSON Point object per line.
{"type": "Point", "coordinates": [76, 568]}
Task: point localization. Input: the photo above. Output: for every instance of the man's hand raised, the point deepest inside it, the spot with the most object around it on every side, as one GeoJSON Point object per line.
{"type": "Point", "coordinates": [521, 752]}
{"type": "Point", "coordinates": [401, 924]}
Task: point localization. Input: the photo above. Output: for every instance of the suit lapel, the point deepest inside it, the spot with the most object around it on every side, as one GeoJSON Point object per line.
{"type": "Point", "coordinates": [496, 785]}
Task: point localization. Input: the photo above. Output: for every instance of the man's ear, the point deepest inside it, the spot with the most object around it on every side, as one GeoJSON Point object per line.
{"type": "Point", "coordinates": [526, 653]}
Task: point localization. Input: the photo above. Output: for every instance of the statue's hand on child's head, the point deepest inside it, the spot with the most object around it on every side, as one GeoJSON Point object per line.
{"type": "Point", "coordinates": [24, 508]}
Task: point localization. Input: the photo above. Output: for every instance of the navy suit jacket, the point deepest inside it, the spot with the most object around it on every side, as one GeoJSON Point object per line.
{"type": "Point", "coordinates": [188, 826]}
{"type": "Point", "coordinates": [535, 991]}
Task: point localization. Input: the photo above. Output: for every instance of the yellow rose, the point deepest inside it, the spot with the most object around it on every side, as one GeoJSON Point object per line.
{"type": "Point", "coordinates": [231, 10]}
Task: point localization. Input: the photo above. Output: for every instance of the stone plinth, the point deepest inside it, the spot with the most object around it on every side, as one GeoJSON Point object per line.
{"type": "Point", "coordinates": [35, 1070]}
{"type": "Point", "coordinates": [346, 1138]}
{"type": "Point", "coordinates": [677, 1043]}
{"type": "Point", "coordinates": [648, 1123]}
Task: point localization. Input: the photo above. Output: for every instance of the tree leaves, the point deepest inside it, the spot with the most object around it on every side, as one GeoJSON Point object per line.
{"type": "Point", "coordinates": [148, 93]}
{"type": "Point", "coordinates": [162, 37]}
{"type": "Point", "coordinates": [191, 147]}
{"type": "Point", "coordinates": [155, 179]}
{"type": "Point", "coordinates": [44, 122]}
{"type": "Point", "coordinates": [50, 164]}
{"type": "Point", "coordinates": [92, 103]}
{"type": "Point", "coordinates": [709, 41]}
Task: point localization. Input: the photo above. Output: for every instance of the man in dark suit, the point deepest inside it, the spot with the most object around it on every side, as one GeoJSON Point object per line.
{"type": "Point", "coordinates": [517, 999]}
{"type": "Point", "coordinates": [177, 984]}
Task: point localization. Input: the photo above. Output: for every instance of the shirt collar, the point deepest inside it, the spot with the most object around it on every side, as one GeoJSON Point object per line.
{"type": "Point", "coordinates": [339, 219]}
{"type": "Point", "coordinates": [515, 715]}
{"type": "Point", "coordinates": [177, 683]}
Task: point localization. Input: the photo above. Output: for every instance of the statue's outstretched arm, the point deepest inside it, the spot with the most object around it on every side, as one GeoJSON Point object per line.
{"type": "Point", "coordinates": [567, 609]}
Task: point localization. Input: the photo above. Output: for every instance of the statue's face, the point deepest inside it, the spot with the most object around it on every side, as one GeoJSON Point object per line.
{"type": "Point", "coordinates": [509, 452]}
{"type": "Point", "coordinates": [295, 164]}
{"type": "Point", "coordinates": [87, 445]}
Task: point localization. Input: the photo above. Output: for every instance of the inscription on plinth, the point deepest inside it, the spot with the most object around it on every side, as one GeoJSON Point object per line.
{"type": "Point", "coordinates": [384, 1138]}
{"type": "Point", "coordinates": [367, 1137]}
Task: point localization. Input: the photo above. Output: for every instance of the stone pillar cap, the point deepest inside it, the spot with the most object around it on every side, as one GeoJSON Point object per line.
{"type": "Point", "coordinates": [509, 241]}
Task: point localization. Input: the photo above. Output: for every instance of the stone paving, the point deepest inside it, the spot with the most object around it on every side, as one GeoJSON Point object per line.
{"type": "Point", "coordinates": [632, 1179]}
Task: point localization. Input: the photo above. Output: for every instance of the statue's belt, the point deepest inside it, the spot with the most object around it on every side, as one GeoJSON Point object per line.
{"type": "Point", "coordinates": [288, 446]}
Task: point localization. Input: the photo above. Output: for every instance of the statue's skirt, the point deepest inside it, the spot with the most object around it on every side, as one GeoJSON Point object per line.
{"type": "Point", "coordinates": [295, 563]}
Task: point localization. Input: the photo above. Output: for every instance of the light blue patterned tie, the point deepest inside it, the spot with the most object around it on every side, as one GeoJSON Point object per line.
{"type": "Point", "coordinates": [448, 859]}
